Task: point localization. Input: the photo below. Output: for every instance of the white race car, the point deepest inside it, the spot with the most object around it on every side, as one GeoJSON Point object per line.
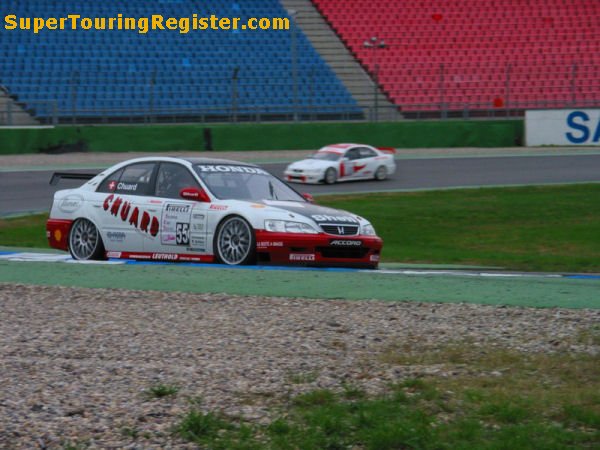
{"type": "Point", "coordinates": [343, 162]}
{"type": "Point", "coordinates": [203, 210]}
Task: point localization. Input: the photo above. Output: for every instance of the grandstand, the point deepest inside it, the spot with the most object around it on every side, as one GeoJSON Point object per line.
{"type": "Point", "coordinates": [437, 58]}
{"type": "Point", "coordinates": [476, 54]}
{"type": "Point", "coordinates": [97, 74]}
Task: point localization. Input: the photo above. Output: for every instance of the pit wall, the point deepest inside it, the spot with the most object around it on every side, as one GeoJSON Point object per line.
{"type": "Point", "coordinates": [236, 137]}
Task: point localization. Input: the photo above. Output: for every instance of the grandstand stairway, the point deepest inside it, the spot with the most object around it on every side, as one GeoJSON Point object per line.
{"type": "Point", "coordinates": [358, 82]}
{"type": "Point", "coordinates": [12, 113]}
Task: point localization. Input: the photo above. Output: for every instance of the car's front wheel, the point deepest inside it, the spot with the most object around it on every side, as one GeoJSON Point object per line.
{"type": "Point", "coordinates": [85, 242]}
{"type": "Point", "coordinates": [330, 176]}
{"type": "Point", "coordinates": [235, 243]}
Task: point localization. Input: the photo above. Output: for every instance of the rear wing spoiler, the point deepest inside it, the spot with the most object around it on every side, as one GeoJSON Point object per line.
{"type": "Point", "coordinates": [57, 176]}
{"type": "Point", "coordinates": [391, 150]}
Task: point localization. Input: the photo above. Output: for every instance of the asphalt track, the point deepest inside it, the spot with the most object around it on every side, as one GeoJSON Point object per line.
{"type": "Point", "coordinates": [29, 191]}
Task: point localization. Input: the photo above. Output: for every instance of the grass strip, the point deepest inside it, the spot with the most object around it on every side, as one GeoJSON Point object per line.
{"type": "Point", "coordinates": [495, 399]}
{"type": "Point", "coordinates": [545, 228]}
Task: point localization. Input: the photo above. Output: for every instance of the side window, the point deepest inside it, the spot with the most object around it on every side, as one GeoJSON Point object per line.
{"type": "Point", "coordinates": [135, 179]}
{"type": "Point", "coordinates": [353, 154]}
{"type": "Point", "coordinates": [109, 185]}
{"type": "Point", "coordinates": [366, 152]}
{"type": "Point", "coordinates": [171, 179]}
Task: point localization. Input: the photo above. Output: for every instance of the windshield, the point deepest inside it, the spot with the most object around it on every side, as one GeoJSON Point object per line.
{"type": "Point", "coordinates": [244, 183]}
{"type": "Point", "coordinates": [327, 156]}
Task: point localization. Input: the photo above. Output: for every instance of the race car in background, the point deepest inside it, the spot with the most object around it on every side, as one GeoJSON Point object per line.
{"type": "Point", "coordinates": [203, 210]}
{"type": "Point", "coordinates": [343, 162]}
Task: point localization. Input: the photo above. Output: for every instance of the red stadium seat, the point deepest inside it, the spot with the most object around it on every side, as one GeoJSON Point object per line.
{"type": "Point", "coordinates": [481, 49]}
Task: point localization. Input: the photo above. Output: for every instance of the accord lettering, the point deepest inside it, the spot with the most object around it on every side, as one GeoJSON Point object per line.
{"type": "Point", "coordinates": [341, 243]}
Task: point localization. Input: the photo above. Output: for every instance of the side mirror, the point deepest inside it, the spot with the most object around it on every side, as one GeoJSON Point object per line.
{"type": "Point", "coordinates": [309, 198]}
{"type": "Point", "coordinates": [194, 194]}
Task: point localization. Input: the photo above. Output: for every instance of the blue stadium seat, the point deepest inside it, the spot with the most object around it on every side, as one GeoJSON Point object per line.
{"type": "Point", "coordinates": [122, 69]}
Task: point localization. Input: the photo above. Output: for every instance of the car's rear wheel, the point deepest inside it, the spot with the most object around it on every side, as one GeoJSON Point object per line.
{"type": "Point", "coordinates": [235, 243]}
{"type": "Point", "coordinates": [85, 242]}
{"type": "Point", "coordinates": [330, 176]}
{"type": "Point", "coordinates": [381, 173]}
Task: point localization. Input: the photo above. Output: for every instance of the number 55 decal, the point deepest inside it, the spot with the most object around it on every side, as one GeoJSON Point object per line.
{"type": "Point", "coordinates": [182, 232]}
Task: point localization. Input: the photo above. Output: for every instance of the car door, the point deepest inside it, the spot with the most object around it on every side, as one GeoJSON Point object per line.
{"type": "Point", "coordinates": [120, 204]}
{"type": "Point", "coordinates": [347, 163]}
{"type": "Point", "coordinates": [182, 223]}
{"type": "Point", "coordinates": [356, 165]}
{"type": "Point", "coordinates": [366, 163]}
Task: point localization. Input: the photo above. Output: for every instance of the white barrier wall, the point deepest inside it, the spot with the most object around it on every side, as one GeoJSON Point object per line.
{"type": "Point", "coordinates": [562, 127]}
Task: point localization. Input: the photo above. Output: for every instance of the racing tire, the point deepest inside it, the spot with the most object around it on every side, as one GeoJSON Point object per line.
{"type": "Point", "coordinates": [85, 242]}
{"type": "Point", "coordinates": [381, 173]}
{"type": "Point", "coordinates": [235, 242]}
{"type": "Point", "coordinates": [330, 176]}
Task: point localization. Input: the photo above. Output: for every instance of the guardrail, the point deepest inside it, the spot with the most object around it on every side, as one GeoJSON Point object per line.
{"type": "Point", "coordinates": [47, 112]}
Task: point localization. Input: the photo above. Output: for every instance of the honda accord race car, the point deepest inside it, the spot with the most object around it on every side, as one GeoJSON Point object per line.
{"type": "Point", "coordinates": [343, 162]}
{"type": "Point", "coordinates": [203, 210]}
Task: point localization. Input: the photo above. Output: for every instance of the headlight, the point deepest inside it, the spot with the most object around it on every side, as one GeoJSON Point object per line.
{"type": "Point", "coordinates": [285, 226]}
{"type": "Point", "coordinates": [368, 230]}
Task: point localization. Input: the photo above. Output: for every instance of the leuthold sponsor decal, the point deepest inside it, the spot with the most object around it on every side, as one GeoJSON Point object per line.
{"type": "Point", "coordinates": [342, 243]}
{"type": "Point", "coordinates": [231, 169]}
{"type": "Point", "coordinates": [165, 256]}
{"type": "Point", "coordinates": [325, 218]}
{"type": "Point", "coordinates": [301, 257]}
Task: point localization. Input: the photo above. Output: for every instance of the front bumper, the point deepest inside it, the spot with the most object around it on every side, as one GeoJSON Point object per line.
{"type": "Point", "coordinates": [295, 177]}
{"type": "Point", "coordinates": [318, 249]}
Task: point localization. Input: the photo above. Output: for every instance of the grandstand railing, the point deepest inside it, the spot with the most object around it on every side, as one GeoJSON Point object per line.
{"type": "Point", "coordinates": [47, 112]}
{"type": "Point", "coordinates": [482, 110]}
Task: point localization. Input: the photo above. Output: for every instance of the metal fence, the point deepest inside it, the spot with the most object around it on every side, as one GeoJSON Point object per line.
{"type": "Point", "coordinates": [47, 112]}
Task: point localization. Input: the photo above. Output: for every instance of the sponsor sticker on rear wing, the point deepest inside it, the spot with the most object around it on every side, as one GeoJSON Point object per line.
{"type": "Point", "coordinates": [57, 176]}
{"type": "Point", "coordinates": [391, 150]}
